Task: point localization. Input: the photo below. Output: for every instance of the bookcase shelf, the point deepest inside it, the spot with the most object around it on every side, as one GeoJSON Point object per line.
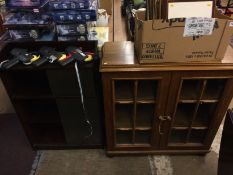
{"type": "Point", "coordinates": [47, 99]}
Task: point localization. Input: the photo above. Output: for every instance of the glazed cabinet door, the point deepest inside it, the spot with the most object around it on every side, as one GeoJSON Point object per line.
{"type": "Point", "coordinates": [196, 105]}
{"type": "Point", "coordinates": [133, 103]}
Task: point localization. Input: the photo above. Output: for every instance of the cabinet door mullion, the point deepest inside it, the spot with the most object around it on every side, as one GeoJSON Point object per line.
{"type": "Point", "coordinates": [114, 111]}
{"type": "Point", "coordinates": [134, 109]}
{"type": "Point", "coordinates": [196, 109]}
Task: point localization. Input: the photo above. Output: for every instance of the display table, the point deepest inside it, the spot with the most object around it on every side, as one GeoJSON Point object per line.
{"type": "Point", "coordinates": [162, 108]}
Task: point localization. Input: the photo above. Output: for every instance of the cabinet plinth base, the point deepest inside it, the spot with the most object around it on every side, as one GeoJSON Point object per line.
{"type": "Point", "coordinates": [160, 152]}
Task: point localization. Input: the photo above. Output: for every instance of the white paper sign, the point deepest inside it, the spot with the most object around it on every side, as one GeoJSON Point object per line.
{"type": "Point", "coordinates": [190, 9]}
{"type": "Point", "coordinates": [198, 26]}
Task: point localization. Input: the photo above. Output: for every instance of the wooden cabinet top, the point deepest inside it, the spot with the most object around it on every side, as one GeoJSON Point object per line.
{"type": "Point", "coordinates": [119, 57]}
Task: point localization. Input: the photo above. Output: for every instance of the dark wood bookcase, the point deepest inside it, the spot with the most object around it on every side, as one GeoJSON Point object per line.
{"type": "Point", "coordinates": [48, 103]}
{"type": "Point", "coordinates": [162, 108]}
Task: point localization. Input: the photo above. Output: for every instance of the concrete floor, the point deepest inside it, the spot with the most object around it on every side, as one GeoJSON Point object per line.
{"type": "Point", "coordinates": [95, 162]}
{"type": "Point", "coordinates": [195, 165]}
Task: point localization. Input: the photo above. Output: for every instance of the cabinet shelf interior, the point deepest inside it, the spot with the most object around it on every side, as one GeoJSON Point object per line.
{"type": "Point", "coordinates": [124, 137]}
{"type": "Point", "coordinates": [145, 101]}
{"type": "Point", "coordinates": [147, 90]}
{"type": "Point", "coordinates": [144, 115]}
{"type": "Point", "coordinates": [187, 101]}
{"type": "Point", "coordinates": [142, 137]}
{"type": "Point", "coordinates": [190, 89]}
{"type": "Point", "coordinates": [124, 113]}
{"type": "Point", "coordinates": [143, 128]}
{"type": "Point", "coordinates": [124, 89]}
{"type": "Point", "coordinates": [124, 101]}
{"type": "Point", "coordinates": [178, 136]}
{"type": "Point", "coordinates": [197, 135]}
{"type": "Point", "coordinates": [136, 129]}
{"type": "Point", "coordinates": [214, 89]}
{"type": "Point", "coordinates": [180, 127]}
{"type": "Point", "coordinates": [204, 114]}
{"type": "Point", "coordinates": [184, 114]}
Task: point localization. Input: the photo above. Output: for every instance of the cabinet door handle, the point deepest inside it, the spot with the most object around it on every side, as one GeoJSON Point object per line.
{"type": "Point", "coordinates": [161, 120]}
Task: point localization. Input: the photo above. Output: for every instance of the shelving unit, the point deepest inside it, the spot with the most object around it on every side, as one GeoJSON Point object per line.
{"type": "Point", "coordinates": [47, 99]}
{"type": "Point", "coordinates": [161, 108]}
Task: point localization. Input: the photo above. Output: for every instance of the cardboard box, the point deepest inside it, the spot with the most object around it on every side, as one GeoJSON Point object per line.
{"type": "Point", "coordinates": [159, 41]}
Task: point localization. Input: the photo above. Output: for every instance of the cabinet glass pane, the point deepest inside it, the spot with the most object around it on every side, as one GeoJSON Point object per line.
{"type": "Point", "coordinates": [143, 137]}
{"type": "Point", "coordinates": [214, 89]}
{"type": "Point", "coordinates": [124, 114]}
{"type": "Point", "coordinates": [147, 89]}
{"type": "Point", "coordinates": [178, 136]}
{"type": "Point", "coordinates": [145, 113]}
{"type": "Point", "coordinates": [124, 89]}
{"type": "Point", "coordinates": [204, 114]}
{"type": "Point", "coordinates": [184, 114]}
{"type": "Point", "coordinates": [197, 135]}
{"type": "Point", "coordinates": [190, 89]}
{"type": "Point", "coordinates": [123, 137]}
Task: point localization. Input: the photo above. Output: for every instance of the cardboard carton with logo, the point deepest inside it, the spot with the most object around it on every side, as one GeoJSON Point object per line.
{"type": "Point", "coordinates": [159, 41]}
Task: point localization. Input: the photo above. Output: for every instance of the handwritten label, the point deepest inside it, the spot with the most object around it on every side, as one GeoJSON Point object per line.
{"type": "Point", "coordinates": [198, 26]}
